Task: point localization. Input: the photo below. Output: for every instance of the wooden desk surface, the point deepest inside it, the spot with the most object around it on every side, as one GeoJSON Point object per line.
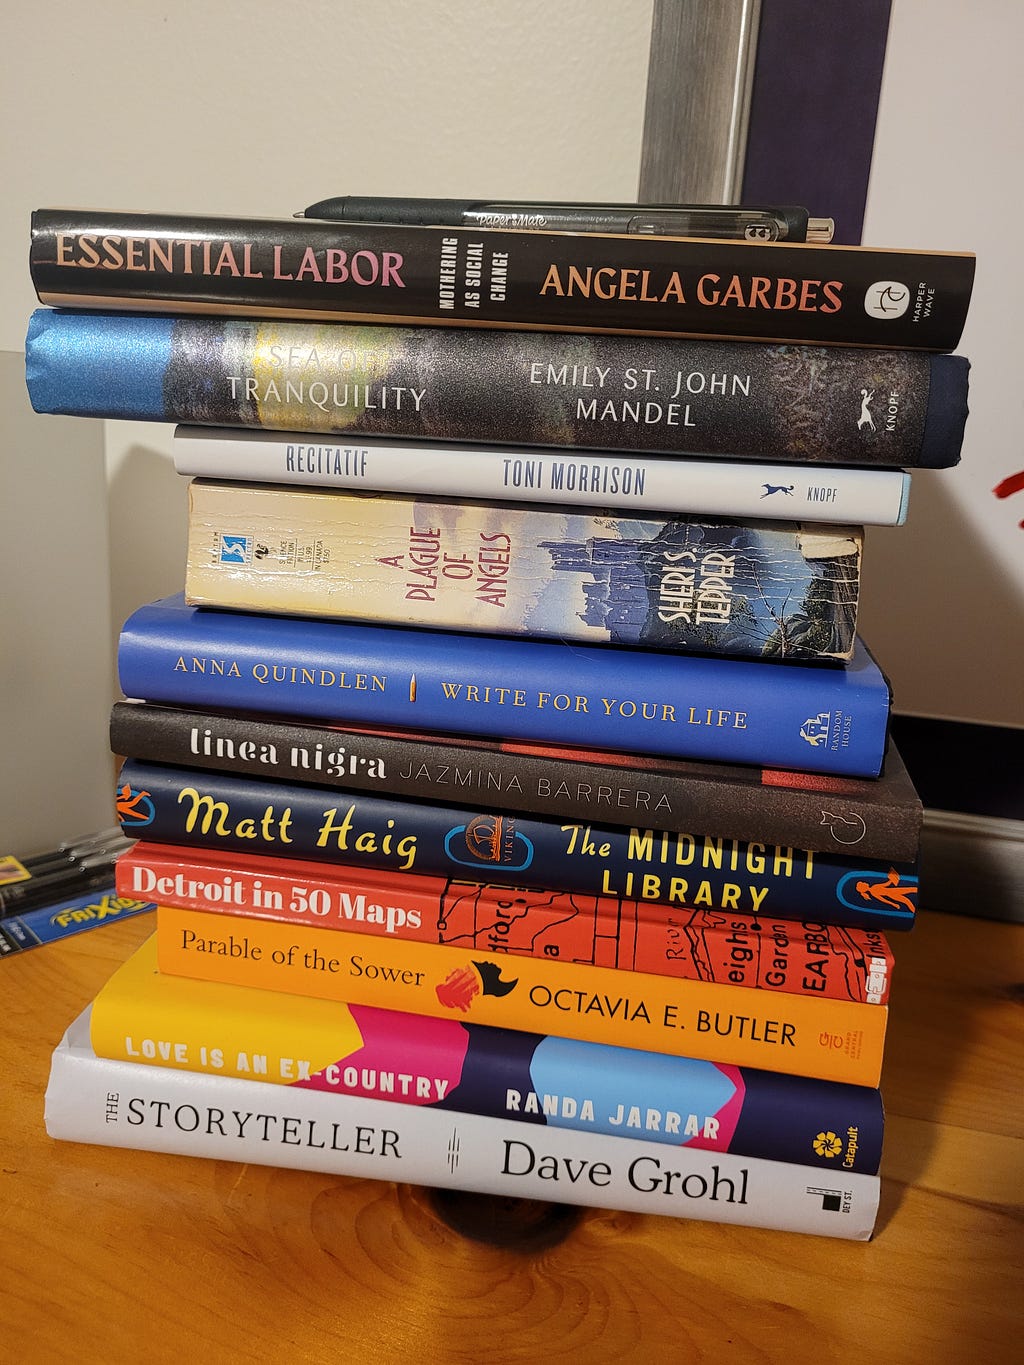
{"type": "Point", "coordinates": [118, 1256]}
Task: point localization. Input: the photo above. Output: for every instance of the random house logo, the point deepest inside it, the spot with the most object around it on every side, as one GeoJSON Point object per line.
{"type": "Point", "coordinates": [489, 839]}
{"type": "Point", "coordinates": [886, 299]}
{"type": "Point", "coordinates": [815, 730]}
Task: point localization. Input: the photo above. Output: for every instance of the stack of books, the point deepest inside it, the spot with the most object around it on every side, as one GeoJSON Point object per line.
{"type": "Point", "coordinates": [510, 776]}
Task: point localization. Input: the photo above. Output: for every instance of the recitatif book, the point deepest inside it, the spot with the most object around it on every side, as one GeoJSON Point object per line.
{"type": "Point", "coordinates": [676, 868]}
{"type": "Point", "coordinates": [641, 484]}
{"type": "Point", "coordinates": [144, 1016]}
{"type": "Point", "coordinates": [816, 405]}
{"type": "Point", "coordinates": [814, 717]}
{"type": "Point", "coordinates": [830, 1040]}
{"type": "Point", "coordinates": [875, 818]}
{"type": "Point", "coordinates": [123, 1104]}
{"type": "Point", "coordinates": [774, 589]}
{"type": "Point", "coordinates": [694, 944]}
{"type": "Point", "coordinates": [260, 267]}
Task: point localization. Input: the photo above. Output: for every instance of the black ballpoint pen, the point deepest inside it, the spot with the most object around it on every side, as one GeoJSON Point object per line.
{"type": "Point", "coordinates": [735, 222]}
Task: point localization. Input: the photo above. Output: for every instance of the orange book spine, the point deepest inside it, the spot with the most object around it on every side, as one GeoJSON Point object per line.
{"type": "Point", "coordinates": [834, 1040]}
{"type": "Point", "coordinates": [570, 927]}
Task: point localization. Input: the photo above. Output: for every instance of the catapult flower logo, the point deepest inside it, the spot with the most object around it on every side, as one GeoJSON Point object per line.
{"type": "Point", "coordinates": [828, 1144]}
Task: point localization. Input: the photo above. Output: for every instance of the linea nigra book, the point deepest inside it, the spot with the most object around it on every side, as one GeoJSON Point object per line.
{"type": "Point", "coordinates": [814, 717]}
{"type": "Point", "coordinates": [772, 589]}
{"type": "Point", "coordinates": [253, 267]}
{"type": "Point", "coordinates": [876, 818]}
{"type": "Point", "coordinates": [540, 1080]}
{"type": "Point", "coordinates": [249, 815]}
{"type": "Point", "coordinates": [822, 405]}
{"type": "Point", "coordinates": [642, 485]}
{"type": "Point", "coordinates": [830, 1040]}
{"type": "Point", "coordinates": [694, 943]}
{"type": "Point", "coordinates": [123, 1104]}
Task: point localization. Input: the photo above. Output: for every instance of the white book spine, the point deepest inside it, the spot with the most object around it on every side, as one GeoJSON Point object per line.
{"type": "Point", "coordinates": [579, 478]}
{"type": "Point", "coordinates": [124, 1104]}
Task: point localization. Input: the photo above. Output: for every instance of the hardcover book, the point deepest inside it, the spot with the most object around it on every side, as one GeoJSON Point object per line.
{"type": "Point", "coordinates": [144, 1016]}
{"type": "Point", "coordinates": [802, 1035]}
{"type": "Point", "coordinates": [877, 818]}
{"type": "Point", "coordinates": [813, 717]}
{"type": "Point", "coordinates": [805, 405]}
{"type": "Point", "coordinates": [675, 868]}
{"type": "Point", "coordinates": [785, 590]}
{"type": "Point", "coordinates": [123, 1104]}
{"type": "Point", "coordinates": [695, 944]}
{"type": "Point", "coordinates": [301, 267]}
{"type": "Point", "coordinates": [572, 477]}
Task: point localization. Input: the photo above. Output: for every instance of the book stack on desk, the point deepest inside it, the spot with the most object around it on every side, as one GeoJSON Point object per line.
{"type": "Point", "coordinates": [533, 834]}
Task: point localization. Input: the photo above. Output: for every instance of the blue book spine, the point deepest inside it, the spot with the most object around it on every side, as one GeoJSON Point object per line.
{"type": "Point", "coordinates": [195, 808]}
{"type": "Point", "coordinates": [808, 717]}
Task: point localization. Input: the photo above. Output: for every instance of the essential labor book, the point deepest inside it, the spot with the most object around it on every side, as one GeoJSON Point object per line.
{"type": "Point", "coordinates": [752, 589]}
{"type": "Point", "coordinates": [814, 717]}
{"type": "Point", "coordinates": [641, 485]}
{"type": "Point", "coordinates": [697, 943]}
{"type": "Point", "coordinates": [143, 1015]}
{"type": "Point", "coordinates": [379, 272]}
{"type": "Point", "coordinates": [193, 808]}
{"type": "Point", "coordinates": [92, 1099]}
{"type": "Point", "coordinates": [817, 405]}
{"type": "Point", "coordinates": [876, 818]}
{"type": "Point", "coordinates": [802, 1035]}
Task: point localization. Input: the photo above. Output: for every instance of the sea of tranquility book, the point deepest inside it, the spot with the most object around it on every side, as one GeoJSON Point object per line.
{"type": "Point", "coordinates": [251, 815]}
{"type": "Point", "coordinates": [142, 1015]}
{"type": "Point", "coordinates": [878, 818]}
{"type": "Point", "coordinates": [124, 1104]}
{"type": "Point", "coordinates": [816, 717]}
{"type": "Point", "coordinates": [752, 589]}
{"type": "Point", "coordinates": [817, 405]}
{"type": "Point", "coordinates": [252, 267]}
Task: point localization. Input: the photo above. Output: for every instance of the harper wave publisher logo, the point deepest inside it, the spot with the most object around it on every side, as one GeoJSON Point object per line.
{"type": "Point", "coordinates": [886, 299]}
{"type": "Point", "coordinates": [489, 839]}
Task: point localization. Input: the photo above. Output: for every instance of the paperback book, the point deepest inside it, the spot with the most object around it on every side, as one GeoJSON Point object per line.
{"type": "Point", "coordinates": [802, 1035]}
{"type": "Point", "coordinates": [781, 590]}
{"type": "Point", "coordinates": [875, 818]}
{"type": "Point", "coordinates": [695, 944]}
{"type": "Point", "coordinates": [817, 405]}
{"type": "Point", "coordinates": [814, 717]}
{"type": "Point", "coordinates": [123, 1104]}
{"type": "Point", "coordinates": [643, 484]}
{"type": "Point", "coordinates": [193, 808]}
{"type": "Point", "coordinates": [146, 1017]}
{"type": "Point", "coordinates": [268, 267]}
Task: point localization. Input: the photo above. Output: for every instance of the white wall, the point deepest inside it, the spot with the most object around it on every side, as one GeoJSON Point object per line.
{"type": "Point", "coordinates": [260, 108]}
{"type": "Point", "coordinates": [944, 609]}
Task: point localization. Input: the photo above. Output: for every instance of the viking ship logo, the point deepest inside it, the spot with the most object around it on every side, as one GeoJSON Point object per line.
{"type": "Point", "coordinates": [489, 840]}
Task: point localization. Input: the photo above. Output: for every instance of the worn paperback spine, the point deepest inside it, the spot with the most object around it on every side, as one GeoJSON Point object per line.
{"type": "Point", "coordinates": [830, 1040]}
{"type": "Point", "coordinates": [816, 405]}
{"type": "Point", "coordinates": [814, 717]}
{"type": "Point", "coordinates": [531, 474]}
{"type": "Point", "coordinates": [772, 589]}
{"type": "Point", "coordinates": [878, 819]}
{"type": "Point", "coordinates": [121, 1104]}
{"type": "Point", "coordinates": [696, 944]}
